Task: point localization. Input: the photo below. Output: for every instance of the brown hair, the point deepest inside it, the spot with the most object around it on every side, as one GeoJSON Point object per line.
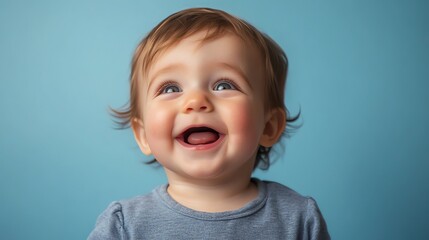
{"type": "Point", "coordinates": [190, 21]}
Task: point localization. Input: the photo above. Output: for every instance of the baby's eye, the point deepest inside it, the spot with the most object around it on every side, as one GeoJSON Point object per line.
{"type": "Point", "coordinates": [224, 85]}
{"type": "Point", "coordinates": [169, 88]}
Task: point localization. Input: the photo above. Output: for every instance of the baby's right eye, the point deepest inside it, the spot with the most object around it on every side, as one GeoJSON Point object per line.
{"type": "Point", "coordinates": [169, 88]}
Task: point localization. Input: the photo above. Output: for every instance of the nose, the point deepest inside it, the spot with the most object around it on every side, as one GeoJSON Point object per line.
{"type": "Point", "coordinates": [197, 101]}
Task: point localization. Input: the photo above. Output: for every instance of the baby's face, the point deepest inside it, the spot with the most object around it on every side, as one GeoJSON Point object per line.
{"type": "Point", "coordinates": [202, 108]}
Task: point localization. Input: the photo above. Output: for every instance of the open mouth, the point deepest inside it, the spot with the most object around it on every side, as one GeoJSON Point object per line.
{"type": "Point", "coordinates": [199, 136]}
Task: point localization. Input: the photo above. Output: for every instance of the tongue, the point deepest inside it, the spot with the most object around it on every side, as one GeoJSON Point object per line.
{"type": "Point", "coordinates": [202, 138]}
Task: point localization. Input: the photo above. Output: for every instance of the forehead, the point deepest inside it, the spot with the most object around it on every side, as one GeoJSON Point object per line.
{"type": "Point", "coordinates": [201, 49]}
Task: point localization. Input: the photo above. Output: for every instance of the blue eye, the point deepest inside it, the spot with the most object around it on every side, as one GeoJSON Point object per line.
{"type": "Point", "coordinates": [224, 85]}
{"type": "Point", "coordinates": [169, 88]}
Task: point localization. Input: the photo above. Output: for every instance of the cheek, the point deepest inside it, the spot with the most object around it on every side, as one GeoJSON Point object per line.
{"type": "Point", "coordinates": [247, 122]}
{"type": "Point", "coordinates": [158, 122]}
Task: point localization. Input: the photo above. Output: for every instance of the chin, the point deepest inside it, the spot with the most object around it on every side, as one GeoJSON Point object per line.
{"type": "Point", "coordinates": [205, 173]}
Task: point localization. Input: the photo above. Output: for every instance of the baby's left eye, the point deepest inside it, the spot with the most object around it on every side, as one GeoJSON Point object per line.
{"type": "Point", "coordinates": [224, 85]}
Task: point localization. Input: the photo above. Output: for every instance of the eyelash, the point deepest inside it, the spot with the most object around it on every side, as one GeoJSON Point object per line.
{"type": "Point", "coordinates": [172, 83]}
{"type": "Point", "coordinates": [166, 85]}
{"type": "Point", "coordinates": [226, 80]}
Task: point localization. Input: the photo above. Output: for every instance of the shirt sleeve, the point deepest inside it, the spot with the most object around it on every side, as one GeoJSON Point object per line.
{"type": "Point", "coordinates": [110, 224]}
{"type": "Point", "coordinates": [315, 225]}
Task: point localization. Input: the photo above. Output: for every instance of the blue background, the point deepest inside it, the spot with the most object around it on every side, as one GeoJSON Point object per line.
{"type": "Point", "coordinates": [359, 70]}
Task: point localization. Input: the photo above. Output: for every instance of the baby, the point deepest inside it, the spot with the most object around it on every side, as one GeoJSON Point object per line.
{"type": "Point", "coordinates": [207, 101]}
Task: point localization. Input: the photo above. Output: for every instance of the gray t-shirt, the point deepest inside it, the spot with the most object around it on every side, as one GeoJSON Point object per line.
{"type": "Point", "coordinates": [277, 213]}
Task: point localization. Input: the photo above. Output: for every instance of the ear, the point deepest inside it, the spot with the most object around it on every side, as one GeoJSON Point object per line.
{"type": "Point", "coordinates": [275, 124]}
{"type": "Point", "coordinates": [140, 135]}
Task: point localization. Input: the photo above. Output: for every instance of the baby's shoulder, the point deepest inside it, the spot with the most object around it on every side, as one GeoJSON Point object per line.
{"type": "Point", "coordinates": [301, 213]}
{"type": "Point", "coordinates": [280, 190]}
{"type": "Point", "coordinates": [137, 206]}
{"type": "Point", "coordinates": [124, 214]}
{"type": "Point", "coordinates": [280, 196]}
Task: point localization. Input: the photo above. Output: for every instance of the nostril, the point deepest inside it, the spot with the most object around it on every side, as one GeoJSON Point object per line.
{"type": "Point", "coordinates": [203, 108]}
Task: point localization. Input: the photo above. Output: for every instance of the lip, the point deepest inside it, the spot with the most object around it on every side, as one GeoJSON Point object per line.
{"type": "Point", "coordinates": [208, 146]}
{"type": "Point", "coordinates": [179, 138]}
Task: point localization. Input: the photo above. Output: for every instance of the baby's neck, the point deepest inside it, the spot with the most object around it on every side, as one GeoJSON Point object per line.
{"type": "Point", "coordinates": [213, 197]}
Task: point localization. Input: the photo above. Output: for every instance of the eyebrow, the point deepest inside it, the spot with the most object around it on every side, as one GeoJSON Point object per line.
{"type": "Point", "coordinates": [236, 69]}
{"type": "Point", "coordinates": [166, 69]}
